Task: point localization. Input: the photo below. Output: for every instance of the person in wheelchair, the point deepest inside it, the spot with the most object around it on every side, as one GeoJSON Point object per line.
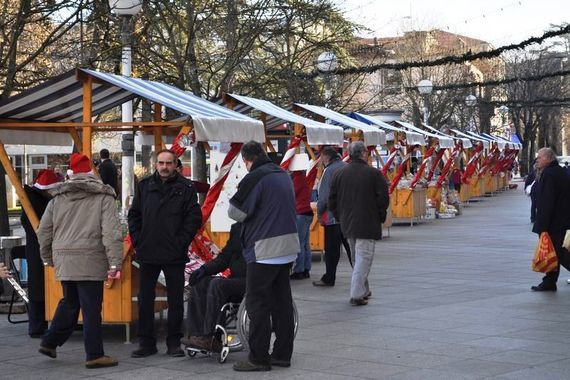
{"type": "Point", "coordinates": [210, 292]}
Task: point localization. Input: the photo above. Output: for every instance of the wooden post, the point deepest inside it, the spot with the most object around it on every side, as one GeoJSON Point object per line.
{"type": "Point", "coordinates": [87, 111]}
{"type": "Point", "coordinates": [15, 180]}
{"type": "Point", "coordinates": [76, 140]}
{"type": "Point", "coordinates": [157, 130]}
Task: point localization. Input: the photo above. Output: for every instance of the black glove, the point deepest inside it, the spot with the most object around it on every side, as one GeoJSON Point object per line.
{"type": "Point", "coordinates": [197, 276]}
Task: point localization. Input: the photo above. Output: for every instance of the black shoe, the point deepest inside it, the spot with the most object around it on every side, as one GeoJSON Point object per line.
{"type": "Point", "coordinates": [51, 352]}
{"type": "Point", "coordinates": [280, 362]}
{"type": "Point", "coordinates": [175, 352]}
{"type": "Point", "coordinates": [248, 366]}
{"type": "Point", "coordinates": [358, 301]}
{"type": "Point", "coordinates": [321, 283]}
{"type": "Point", "coordinates": [542, 287]}
{"type": "Point", "coordinates": [306, 274]}
{"type": "Point", "coordinates": [297, 276]}
{"type": "Point", "coordinates": [143, 352]}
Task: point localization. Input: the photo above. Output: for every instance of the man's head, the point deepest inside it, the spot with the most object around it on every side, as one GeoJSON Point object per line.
{"type": "Point", "coordinates": [104, 154]}
{"type": "Point", "coordinates": [250, 152]}
{"type": "Point", "coordinates": [357, 150]}
{"type": "Point", "coordinates": [544, 157]}
{"type": "Point", "coordinates": [328, 154]}
{"type": "Point", "coordinates": [165, 164]}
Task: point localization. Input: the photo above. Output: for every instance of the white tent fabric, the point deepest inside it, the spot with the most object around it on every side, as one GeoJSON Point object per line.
{"type": "Point", "coordinates": [19, 137]}
{"type": "Point", "coordinates": [444, 142]}
{"type": "Point", "coordinates": [459, 133]}
{"type": "Point", "coordinates": [412, 138]}
{"type": "Point", "coordinates": [464, 141]}
{"type": "Point", "coordinates": [317, 133]}
{"type": "Point", "coordinates": [372, 136]}
{"type": "Point", "coordinates": [239, 131]}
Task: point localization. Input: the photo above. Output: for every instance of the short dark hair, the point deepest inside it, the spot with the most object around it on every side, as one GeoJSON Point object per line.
{"type": "Point", "coordinates": [252, 150]}
{"type": "Point", "coordinates": [104, 153]}
{"type": "Point", "coordinates": [174, 158]}
{"type": "Point", "coordinates": [330, 152]}
{"type": "Point", "coordinates": [178, 163]}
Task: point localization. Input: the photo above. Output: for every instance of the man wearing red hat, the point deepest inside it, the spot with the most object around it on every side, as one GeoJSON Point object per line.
{"type": "Point", "coordinates": [163, 220]}
{"type": "Point", "coordinates": [80, 236]}
{"type": "Point", "coordinates": [39, 195]}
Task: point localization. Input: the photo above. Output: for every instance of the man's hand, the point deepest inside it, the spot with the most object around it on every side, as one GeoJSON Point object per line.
{"type": "Point", "coordinates": [196, 276]}
{"type": "Point", "coordinates": [4, 273]}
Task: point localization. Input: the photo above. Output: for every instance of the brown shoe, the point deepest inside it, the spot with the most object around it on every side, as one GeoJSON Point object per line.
{"type": "Point", "coordinates": [102, 362]}
{"type": "Point", "coordinates": [358, 301]}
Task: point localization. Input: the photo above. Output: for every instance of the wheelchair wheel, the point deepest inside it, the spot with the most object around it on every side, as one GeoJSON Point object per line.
{"type": "Point", "coordinates": [243, 323]}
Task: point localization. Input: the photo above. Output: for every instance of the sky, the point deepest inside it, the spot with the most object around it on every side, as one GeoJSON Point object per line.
{"type": "Point", "coordinates": [500, 22]}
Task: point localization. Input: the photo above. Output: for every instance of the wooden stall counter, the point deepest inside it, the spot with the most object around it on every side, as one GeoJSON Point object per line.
{"type": "Point", "coordinates": [465, 193]}
{"type": "Point", "coordinates": [434, 194]}
{"type": "Point", "coordinates": [408, 204]}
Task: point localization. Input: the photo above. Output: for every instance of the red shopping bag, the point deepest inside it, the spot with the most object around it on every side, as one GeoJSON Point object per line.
{"type": "Point", "coordinates": [545, 259]}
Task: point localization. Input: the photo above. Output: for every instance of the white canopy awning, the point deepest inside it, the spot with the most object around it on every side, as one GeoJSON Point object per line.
{"type": "Point", "coordinates": [372, 136]}
{"type": "Point", "coordinates": [412, 138]}
{"type": "Point", "coordinates": [20, 137]}
{"type": "Point", "coordinates": [471, 137]}
{"type": "Point", "coordinates": [444, 142]}
{"type": "Point", "coordinates": [465, 142]}
{"type": "Point", "coordinates": [317, 133]}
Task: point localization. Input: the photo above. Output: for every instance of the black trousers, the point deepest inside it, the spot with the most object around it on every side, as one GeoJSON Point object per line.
{"type": "Point", "coordinates": [208, 297]}
{"type": "Point", "coordinates": [269, 305]}
{"type": "Point", "coordinates": [174, 276]}
{"type": "Point", "coordinates": [84, 295]}
{"type": "Point", "coordinates": [333, 240]}
{"type": "Point", "coordinates": [563, 258]}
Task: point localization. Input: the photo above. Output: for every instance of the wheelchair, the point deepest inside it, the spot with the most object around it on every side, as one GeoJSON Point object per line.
{"type": "Point", "coordinates": [233, 328]}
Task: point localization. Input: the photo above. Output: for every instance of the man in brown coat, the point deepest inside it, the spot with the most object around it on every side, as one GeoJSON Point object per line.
{"type": "Point", "coordinates": [80, 236]}
{"type": "Point", "coordinates": [359, 200]}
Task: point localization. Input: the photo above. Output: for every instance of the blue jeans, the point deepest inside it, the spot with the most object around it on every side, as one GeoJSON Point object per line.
{"type": "Point", "coordinates": [303, 262]}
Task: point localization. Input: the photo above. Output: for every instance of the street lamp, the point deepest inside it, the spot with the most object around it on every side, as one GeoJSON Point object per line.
{"type": "Point", "coordinates": [327, 63]}
{"type": "Point", "coordinates": [471, 101]}
{"type": "Point", "coordinates": [425, 87]}
{"type": "Point", "coordinates": [126, 10]}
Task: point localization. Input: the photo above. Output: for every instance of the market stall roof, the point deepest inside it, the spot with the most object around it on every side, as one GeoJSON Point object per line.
{"type": "Point", "coordinates": [501, 141]}
{"type": "Point", "coordinates": [372, 136]}
{"type": "Point", "coordinates": [412, 138]}
{"type": "Point", "coordinates": [459, 133]}
{"type": "Point", "coordinates": [464, 141]}
{"type": "Point", "coordinates": [60, 99]}
{"type": "Point", "coordinates": [317, 133]}
{"type": "Point", "coordinates": [444, 142]}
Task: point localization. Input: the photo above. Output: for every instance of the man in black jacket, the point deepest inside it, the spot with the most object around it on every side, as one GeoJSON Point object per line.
{"type": "Point", "coordinates": [552, 211]}
{"type": "Point", "coordinates": [107, 170]}
{"type": "Point", "coordinates": [359, 200]}
{"type": "Point", "coordinates": [163, 220]}
{"type": "Point", "coordinates": [211, 292]}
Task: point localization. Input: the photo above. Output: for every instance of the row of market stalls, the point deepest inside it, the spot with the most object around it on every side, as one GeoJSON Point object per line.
{"type": "Point", "coordinates": [69, 108]}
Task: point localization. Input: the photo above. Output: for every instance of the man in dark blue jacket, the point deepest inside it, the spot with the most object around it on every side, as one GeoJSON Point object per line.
{"type": "Point", "coordinates": [163, 220]}
{"type": "Point", "coordinates": [552, 211]}
{"type": "Point", "coordinates": [265, 204]}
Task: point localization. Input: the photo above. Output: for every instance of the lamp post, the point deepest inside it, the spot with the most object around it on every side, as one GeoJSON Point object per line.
{"type": "Point", "coordinates": [425, 87]}
{"type": "Point", "coordinates": [471, 101]}
{"type": "Point", "coordinates": [126, 10]}
{"type": "Point", "coordinates": [327, 64]}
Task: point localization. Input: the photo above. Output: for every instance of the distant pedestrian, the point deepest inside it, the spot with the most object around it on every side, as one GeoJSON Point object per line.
{"type": "Point", "coordinates": [333, 235]}
{"type": "Point", "coordinates": [552, 211]}
{"type": "Point", "coordinates": [107, 170]}
{"type": "Point", "coordinates": [265, 204]}
{"type": "Point", "coordinates": [359, 200]}
{"type": "Point", "coordinates": [163, 220]}
{"type": "Point", "coordinates": [80, 236]}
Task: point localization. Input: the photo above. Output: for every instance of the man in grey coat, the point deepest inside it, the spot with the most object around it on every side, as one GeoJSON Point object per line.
{"type": "Point", "coordinates": [80, 236]}
{"type": "Point", "coordinates": [359, 200]}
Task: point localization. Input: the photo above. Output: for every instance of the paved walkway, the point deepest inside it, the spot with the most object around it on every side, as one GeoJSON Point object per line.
{"type": "Point", "coordinates": [451, 300]}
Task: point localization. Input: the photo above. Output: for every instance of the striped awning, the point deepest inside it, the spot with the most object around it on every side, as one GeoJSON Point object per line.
{"type": "Point", "coordinates": [60, 99]}
{"type": "Point", "coordinates": [372, 136]}
{"type": "Point", "coordinates": [444, 142]}
{"type": "Point", "coordinates": [317, 133]}
{"type": "Point", "coordinates": [412, 138]}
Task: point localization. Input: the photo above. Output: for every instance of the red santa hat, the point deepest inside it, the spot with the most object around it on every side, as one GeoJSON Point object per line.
{"type": "Point", "coordinates": [46, 179]}
{"type": "Point", "coordinates": [79, 163]}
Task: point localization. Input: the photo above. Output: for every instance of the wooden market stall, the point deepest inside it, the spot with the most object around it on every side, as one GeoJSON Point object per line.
{"type": "Point", "coordinates": [72, 104]}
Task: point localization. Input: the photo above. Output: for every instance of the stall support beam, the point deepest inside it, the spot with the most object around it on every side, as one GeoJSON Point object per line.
{"type": "Point", "coordinates": [158, 144]}
{"type": "Point", "coordinates": [76, 140]}
{"type": "Point", "coordinates": [15, 180]}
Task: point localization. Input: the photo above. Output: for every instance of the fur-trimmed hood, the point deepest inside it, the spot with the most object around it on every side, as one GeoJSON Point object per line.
{"type": "Point", "coordinates": [82, 185]}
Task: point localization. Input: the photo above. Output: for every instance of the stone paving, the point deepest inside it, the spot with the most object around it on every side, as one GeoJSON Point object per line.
{"type": "Point", "coordinates": [451, 300]}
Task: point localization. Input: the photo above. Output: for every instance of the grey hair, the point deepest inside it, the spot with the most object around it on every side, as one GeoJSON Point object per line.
{"type": "Point", "coordinates": [356, 149]}
{"type": "Point", "coordinates": [548, 154]}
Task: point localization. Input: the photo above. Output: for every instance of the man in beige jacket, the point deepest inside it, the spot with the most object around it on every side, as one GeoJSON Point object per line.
{"type": "Point", "coordinates": [80, 236]}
